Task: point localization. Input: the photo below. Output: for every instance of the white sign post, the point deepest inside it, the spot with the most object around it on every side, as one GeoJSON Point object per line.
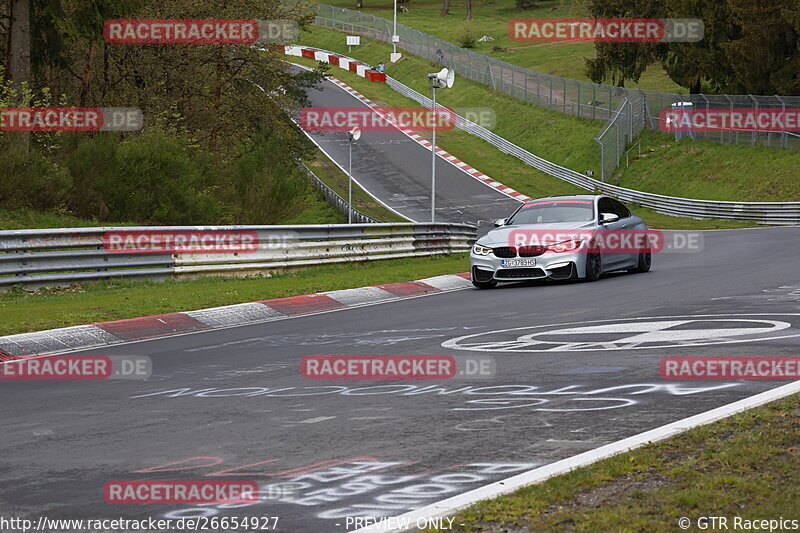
{"type": "Point", "coordinates": [353, 40]}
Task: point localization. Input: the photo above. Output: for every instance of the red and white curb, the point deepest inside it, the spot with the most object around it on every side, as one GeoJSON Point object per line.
{"type": "Point", "coordinates": [344, 62]}
{"type": "Point", "coordinates": [149, 327]}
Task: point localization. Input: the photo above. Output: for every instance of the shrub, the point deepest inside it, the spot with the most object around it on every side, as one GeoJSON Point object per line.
{"type": "Point", "coordinates": [465, 35]}
{"type": "Point", "coordinates": [28, 179]}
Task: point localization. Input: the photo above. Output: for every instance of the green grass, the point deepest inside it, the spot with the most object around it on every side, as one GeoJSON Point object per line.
{"type": "Point", "coordinates": [87, 303]}
{"type": "Point", "coordinates": [701, 169]}
{"type": "Point", "coordinates": [492, 17]}
{"type": "Point", "coordinates": [31, 219]}
{"type": "Point", "coordinates": [746, 466]}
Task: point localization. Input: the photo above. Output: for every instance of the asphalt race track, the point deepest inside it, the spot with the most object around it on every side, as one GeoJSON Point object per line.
{"type": "Point", "coordinates": [397, 170]}
{"type": "Point", "coordinates": [231, 404]}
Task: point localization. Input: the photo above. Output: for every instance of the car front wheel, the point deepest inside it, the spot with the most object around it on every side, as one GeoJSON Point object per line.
{"type": "Point", "coordinates": [594, 265]}
{"type": "Point", "coordinates": [645, 260]}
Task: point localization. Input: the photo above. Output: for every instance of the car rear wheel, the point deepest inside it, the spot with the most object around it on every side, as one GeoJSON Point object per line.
{"type": "Point", "coordinates": [594, 265]}
{"type": "Point", "coordinates": [645, 260]}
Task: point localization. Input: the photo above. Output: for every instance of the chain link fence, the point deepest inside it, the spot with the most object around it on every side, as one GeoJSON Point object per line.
{"type": "Point", "coordinates": [584, 99]}
{"type": "Point", "coordinates": [627, 122]}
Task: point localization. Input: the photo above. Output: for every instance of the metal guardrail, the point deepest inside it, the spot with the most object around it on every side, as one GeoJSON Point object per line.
{"type": "Point", "coordinates": [335, 200]}
{"type": "Point", "coordinates": [585, 99]}
{"type": "Point", "coordinates": [47, 257]}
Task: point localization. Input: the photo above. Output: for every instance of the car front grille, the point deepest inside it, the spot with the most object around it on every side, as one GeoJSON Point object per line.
{"type": "Point", "coordinates": [520, 273]}
{"type": "Point", "coordinates": [510, 252]}
{"type": "Point", "coordinates": [505, 252]}
{"type": "Point", "coordinates": [531, 251]}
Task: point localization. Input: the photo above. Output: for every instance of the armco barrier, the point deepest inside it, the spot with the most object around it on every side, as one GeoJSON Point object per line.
{"type": "Point", "coordinates": [46, 257]}
{"type": "Point", "coordinates": [777, 213]}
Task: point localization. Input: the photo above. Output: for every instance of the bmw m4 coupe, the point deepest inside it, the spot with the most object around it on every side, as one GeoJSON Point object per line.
{"type": "Point", "coordinates": [560, 238]}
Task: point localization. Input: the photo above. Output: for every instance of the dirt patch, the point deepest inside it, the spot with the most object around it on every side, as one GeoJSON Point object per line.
{"type": "Point", "coordinates": [612, 491]}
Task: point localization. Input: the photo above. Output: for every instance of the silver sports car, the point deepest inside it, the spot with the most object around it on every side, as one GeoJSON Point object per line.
{"type": "Point", "coordinates": [559, 238]}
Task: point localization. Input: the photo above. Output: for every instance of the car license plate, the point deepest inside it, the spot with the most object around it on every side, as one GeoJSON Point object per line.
{"type": "Point", "coordinates": [518, 262]}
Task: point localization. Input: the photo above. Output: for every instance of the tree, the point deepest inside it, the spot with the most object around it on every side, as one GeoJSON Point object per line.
{"type": "Point", "coordinates": [469, 9]}
{"type": "Point", "coordinates": [445, 8]}
{"type": "Point", "coordinates": [767, 44]}
{"type": "Point", "coordinates": [19, 56]}
{"type": "Point", "coordinates": [749, 46]}
{"type": "Point", "coordinates": [621, 62]}
{"type": "Point", "coordinates": [19, 50]}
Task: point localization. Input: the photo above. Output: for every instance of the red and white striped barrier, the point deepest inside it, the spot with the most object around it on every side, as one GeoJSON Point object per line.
{"type": "Point", "coordinates": [360, 68]}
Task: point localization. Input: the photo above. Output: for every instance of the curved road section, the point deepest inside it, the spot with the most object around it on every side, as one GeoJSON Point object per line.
{"type": "Point", "coordinates": [397, 170]}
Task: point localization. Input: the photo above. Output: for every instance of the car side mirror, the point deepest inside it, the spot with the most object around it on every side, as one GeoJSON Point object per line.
{"type": "Point", "coordinates": [500, 222]}
{"type": "Point", "coordinates": [608, 218]}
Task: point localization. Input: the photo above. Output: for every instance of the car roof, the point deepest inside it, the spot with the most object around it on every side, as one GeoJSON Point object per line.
{"type": "Point", "coordinates": [571, 197]}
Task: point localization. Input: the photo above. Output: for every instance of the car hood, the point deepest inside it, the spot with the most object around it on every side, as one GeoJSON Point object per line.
{"type": "Point", "coordinates": [502, 236]}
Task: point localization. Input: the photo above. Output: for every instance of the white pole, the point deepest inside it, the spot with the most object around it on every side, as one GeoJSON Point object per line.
{"type": "Point", "coordinates": [394, 31]}
{"type": "Point", "coordinates": [433, 162]}
{"type": "Point", "coordinates": [350, 185]}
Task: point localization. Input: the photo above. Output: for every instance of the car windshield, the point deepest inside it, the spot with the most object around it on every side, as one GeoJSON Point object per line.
{"type": "Point", "coordinates": [550, 211]}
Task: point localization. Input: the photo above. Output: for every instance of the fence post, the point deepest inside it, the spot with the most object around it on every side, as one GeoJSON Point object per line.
{"type": "Point", "coordinates": [754, 134]}
{"type": "Point", "coordinates": [630, 121]}
{"type": "Point", "coordinates": [784, 139]}
{"type": "Point", "coordinates": [602, 161]}
{"type": "Point", "coordinates": [525, 89]}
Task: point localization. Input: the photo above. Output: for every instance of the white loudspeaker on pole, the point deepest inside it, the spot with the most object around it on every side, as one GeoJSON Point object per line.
{"type": "Point", "coordinates": [352, 135]}
{"type": "Point", "coordinates": [443, 79]}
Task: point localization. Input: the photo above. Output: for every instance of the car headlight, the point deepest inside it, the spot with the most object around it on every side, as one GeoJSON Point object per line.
{"type": "Point", "coordinates": [565, 246]}
{"type": "Point", "coordinates": [477, 249]}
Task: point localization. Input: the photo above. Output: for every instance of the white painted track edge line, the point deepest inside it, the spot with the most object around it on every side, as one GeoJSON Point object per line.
{"type": "Point", "coordinates": [537, 475]}
{"type": "Point", "coordinates": [371, 195]}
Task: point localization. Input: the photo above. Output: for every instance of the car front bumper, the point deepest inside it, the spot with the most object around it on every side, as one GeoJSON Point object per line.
{"type": "Point", "coordinates": [550, 265]}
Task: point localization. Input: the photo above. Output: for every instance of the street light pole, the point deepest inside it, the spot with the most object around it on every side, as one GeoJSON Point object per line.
{"type": "Point", "coordinates": [352, 135]}
{"type": "Point", "coordinates": [350, 185]}
{"type": "Point", "coordinates": [438, 80]}
{"type": "Point", "coordinates": [433, 162]}
{"type": "Point", "coordinates": [394, 31]}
